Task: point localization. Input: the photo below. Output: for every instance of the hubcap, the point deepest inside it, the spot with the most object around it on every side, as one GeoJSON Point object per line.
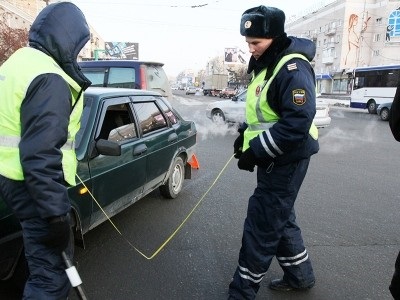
{"type": "Point", "coordinates": [177, 178]}
{"type": "Point", "coordinates": [218, 118]}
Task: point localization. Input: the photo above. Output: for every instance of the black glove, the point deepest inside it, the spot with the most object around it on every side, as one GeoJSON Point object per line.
{"type": "Point", "coordinates": [237, 145]}
{"type": "Point", "coordinates": [247, 160]}
{"type": "Point", "coordinates": [58, 234]}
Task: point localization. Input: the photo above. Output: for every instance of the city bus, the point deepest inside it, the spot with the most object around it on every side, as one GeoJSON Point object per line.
{"type": "Point", "coordinates": [373, 86]}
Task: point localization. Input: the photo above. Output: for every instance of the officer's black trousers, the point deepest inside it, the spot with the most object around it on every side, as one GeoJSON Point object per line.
{"type": "Point", "coordinates": [395, 284]}
{"type": "Point", "coordinates": [47, 279]}
{"type": "Point", "coordinates": [270, 230]}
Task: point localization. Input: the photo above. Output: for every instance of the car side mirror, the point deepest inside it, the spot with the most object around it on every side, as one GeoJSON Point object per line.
{"type": "Point", "coordinates": [106, 147]}
{"type": "Point", "coordinates": [235, 98]}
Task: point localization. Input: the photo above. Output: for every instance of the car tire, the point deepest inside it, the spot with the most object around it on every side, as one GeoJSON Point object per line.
{"type": "Point", "coordinates": [217, 116]}
{"type": "Point", "coordinates": [385, 114]}
{"type": "Point", "coordinates": [372, 107]}
{"type": "Point", "coordinates": [173, 186]}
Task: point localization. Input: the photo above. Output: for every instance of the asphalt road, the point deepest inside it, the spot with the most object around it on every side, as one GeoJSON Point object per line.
{"type": "Point", "coordinates": [348, 209]}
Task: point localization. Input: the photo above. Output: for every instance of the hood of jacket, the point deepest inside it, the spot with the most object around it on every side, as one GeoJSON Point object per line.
{"type": "Point", "coordinates": [280, 47]}
{"type": "Point", "coordinates": [301, 46]}
{"type": "Point", "coordinates": [61, 31]}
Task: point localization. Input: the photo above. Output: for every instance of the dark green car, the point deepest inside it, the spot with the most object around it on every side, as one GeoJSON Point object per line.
{"type": "Point", "coordinates": [130, 143]}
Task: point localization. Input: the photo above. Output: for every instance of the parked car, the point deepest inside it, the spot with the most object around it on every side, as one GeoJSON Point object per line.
{"type": "Point", "coordinates": [322, 117]}
{"type": "Point", "coordinates": [133, 74]}
{"type": "Point", "coordinates": [228, 92]}
{"type": "Point", "coordinates": [130, 143]}
{"type": "Point", "coordinates": [233, 111]}
{"type": "Point", "coordinates": [383, 111]}
{"type": "Point", "coordinates": [228, 111]}
{"type": "Point", "coordinates": [191, 90]}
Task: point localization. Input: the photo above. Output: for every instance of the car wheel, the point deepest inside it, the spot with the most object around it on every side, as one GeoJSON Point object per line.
{"type": "Point", "coordinates": [372, 107]}
{"type": "Point", "coordinates": [174, 184]}
{"type": "Point", "coordinates": [385, 114]}
{"type": "Point", "coordinates": [217, 116]}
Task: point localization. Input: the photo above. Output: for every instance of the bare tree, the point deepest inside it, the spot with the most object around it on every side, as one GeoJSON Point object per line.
{"type": "Point", "coordinates": [242, 76]}
{"type": "Point", "coordinates": [201, 75]}
{"type": "Point", "coordinates": [238, 75]}
{"type": "Point", "coordinates": [11, 39]}
{"type": "Point", "coordinates": [217, 65]}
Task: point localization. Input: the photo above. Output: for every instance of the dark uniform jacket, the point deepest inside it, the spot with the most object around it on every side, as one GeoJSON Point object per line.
{"type": "Point", "coordinates": [291, 132]}
{"type": "Point", "coordinates": [394, 116]}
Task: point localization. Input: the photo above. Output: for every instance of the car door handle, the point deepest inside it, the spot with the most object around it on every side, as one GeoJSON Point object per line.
{"type": "Point", "coordinates": [172, 137]}
{"type": "Point", "coordinates": [139, 149]}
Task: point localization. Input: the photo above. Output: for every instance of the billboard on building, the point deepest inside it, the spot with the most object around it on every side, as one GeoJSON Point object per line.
{"type": "Point", "coordinates": [234, 55]}
{"type": "Point", "coordinates": [122, 50]}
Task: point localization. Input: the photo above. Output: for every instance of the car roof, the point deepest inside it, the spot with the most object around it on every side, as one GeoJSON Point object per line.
{"type": "Point", "coordinates": [118, 63]}
{"type": "Point", "coordinates": [119, 92]}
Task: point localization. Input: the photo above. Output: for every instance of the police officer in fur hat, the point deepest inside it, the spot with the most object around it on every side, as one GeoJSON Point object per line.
{"type": "Point", "coordinates": [278, 137]}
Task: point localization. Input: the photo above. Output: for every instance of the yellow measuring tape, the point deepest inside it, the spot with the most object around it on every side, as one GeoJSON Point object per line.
{"type": "Point", "coordinates": [175, 231]}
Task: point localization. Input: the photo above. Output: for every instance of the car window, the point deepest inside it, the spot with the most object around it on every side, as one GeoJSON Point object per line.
{"type": "Point", "coordinates": [150, 116]}
{"type": "Point", "coordinates": [122, 78]}
{"type": "Point", "coordinates": [157, 79]}
{"type": "Point", "coordinates": [118, 124]}
{"type": "Point", "coordinates": [242, 96]}
{"type": "Point", "coordinates": [95, 75]}
{"type": "Point", "coordinates": [169, 113]}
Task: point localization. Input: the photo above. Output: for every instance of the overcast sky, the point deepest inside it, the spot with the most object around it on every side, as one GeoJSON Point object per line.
{"type": "Point", "coordinates": [183, 34]}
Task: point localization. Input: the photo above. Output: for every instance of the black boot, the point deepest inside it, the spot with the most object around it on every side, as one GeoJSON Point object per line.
{"type": "Point", "coordinates": [283, 286]}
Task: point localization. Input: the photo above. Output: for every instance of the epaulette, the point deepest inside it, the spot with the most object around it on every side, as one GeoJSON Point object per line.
{"type": "Point", "coordinates": [291, 67]}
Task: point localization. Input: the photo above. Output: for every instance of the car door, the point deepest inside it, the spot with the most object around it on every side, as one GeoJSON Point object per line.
{"type": "Point", "coordinates": [236, 109]}
{"type": "Point", "coordinates": [118, 181]}
{"type": "Point", "coordinates": [160, 139]}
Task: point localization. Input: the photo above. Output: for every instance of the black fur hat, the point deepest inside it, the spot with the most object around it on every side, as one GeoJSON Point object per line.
{"type": "Point", "coordinates": [262, 21]}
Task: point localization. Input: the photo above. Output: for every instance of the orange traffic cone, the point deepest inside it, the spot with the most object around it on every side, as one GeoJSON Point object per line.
{"type": "Point", "coordinates": [194, 163]}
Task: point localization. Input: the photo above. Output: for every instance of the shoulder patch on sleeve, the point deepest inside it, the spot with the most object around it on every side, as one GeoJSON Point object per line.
{"type": "Point", "coordinates": [291, 67]}
{"type": "Point", "coordinates": [299, 96]}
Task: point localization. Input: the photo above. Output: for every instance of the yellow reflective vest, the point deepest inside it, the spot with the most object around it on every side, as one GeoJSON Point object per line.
{"type": "Point", "coordinates": [16, 74]}
{"type": "Point", "coordinates": [259, 115]}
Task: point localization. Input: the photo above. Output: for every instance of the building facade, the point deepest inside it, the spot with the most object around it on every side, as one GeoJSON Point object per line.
{"type": "Point", "coordinates": [22, 13]}
{"type": "Point", "coordinates": [349, 34]}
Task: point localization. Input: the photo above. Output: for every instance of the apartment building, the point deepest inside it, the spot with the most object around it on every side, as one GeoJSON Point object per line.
{"type": "Point", "coordinates": [22, 13]}
{"type": "Point", "coordinates": [349, 34]}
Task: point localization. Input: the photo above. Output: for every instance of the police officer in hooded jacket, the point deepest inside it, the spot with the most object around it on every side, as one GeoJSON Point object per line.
{"type": "Point", "coordinates": [278, 137]}
{"type": "Point", "coordinates": [41, 95]}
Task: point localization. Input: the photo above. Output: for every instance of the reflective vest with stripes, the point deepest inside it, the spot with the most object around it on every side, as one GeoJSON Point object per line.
{"type": "Point", "coordinates": [259, 115]}
{"type": "Point", "coordinates": [16, 74]}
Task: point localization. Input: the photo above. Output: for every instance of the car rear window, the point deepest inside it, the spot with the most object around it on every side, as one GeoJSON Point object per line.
{"type": "Point", "coordinates": [122, 78]}
{"type": "Point", "coordinates": [95, 75]}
